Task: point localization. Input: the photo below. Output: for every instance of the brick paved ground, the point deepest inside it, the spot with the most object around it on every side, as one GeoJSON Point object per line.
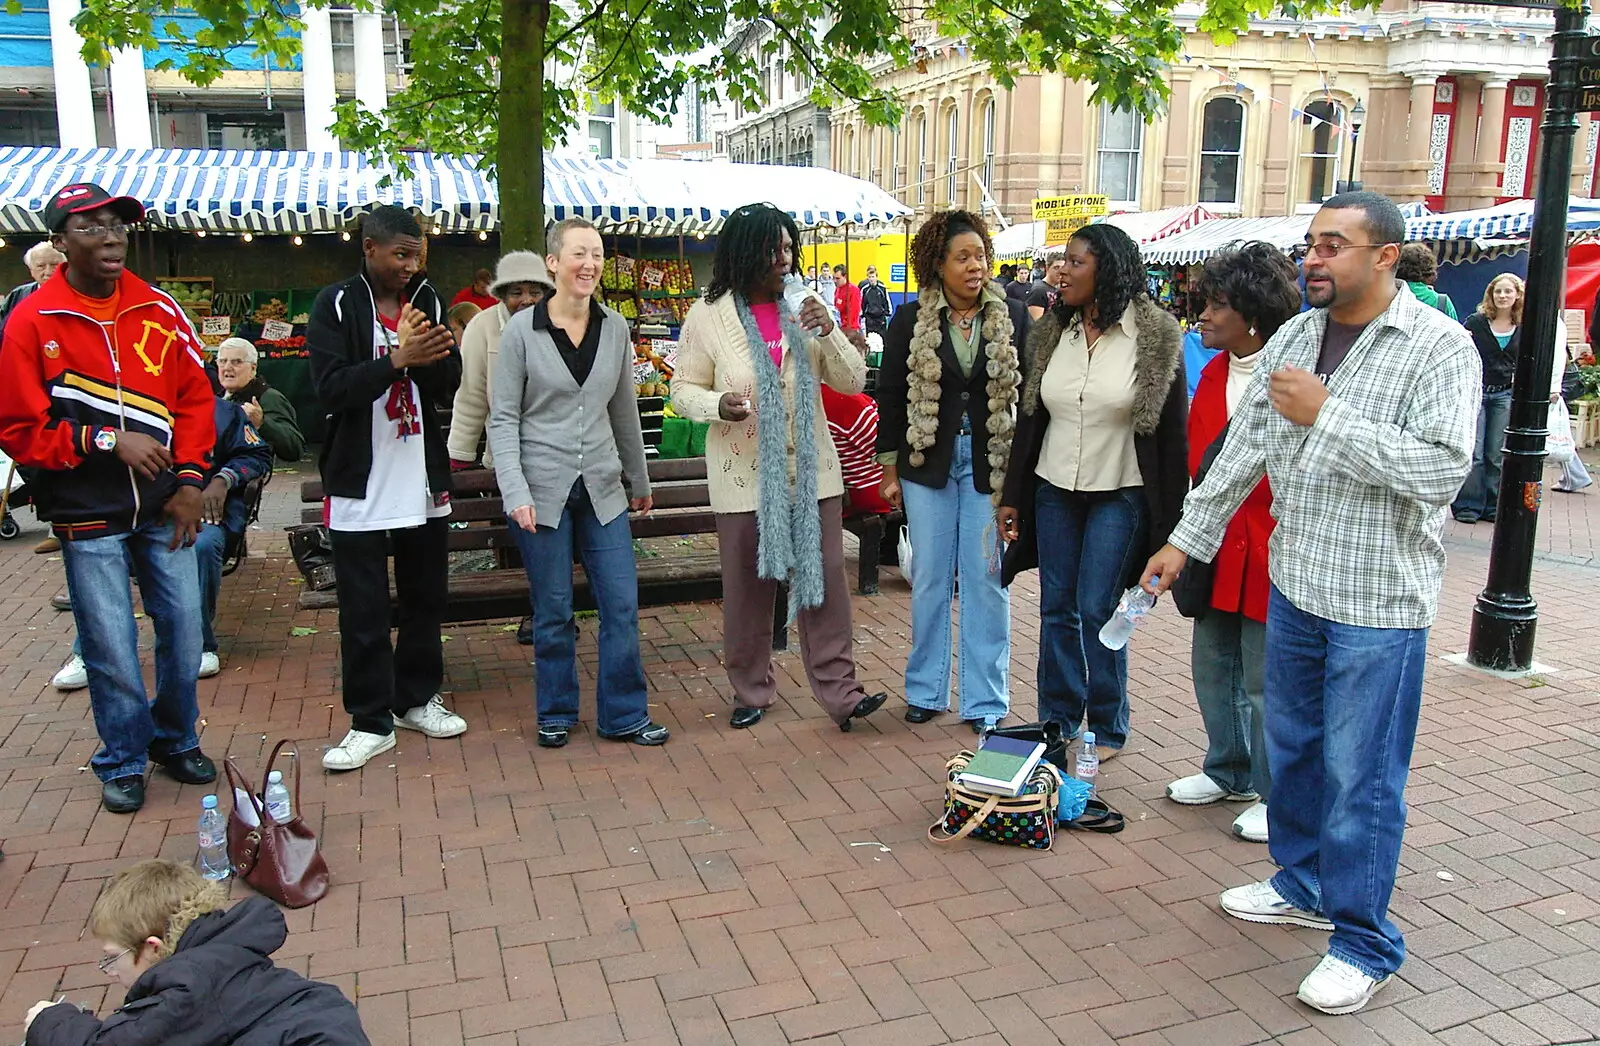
{"type": "Point", "coordinates": [711, 892]}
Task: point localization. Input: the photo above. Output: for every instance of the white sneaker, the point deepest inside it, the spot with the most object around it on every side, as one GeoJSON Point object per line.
{"type": "Point", "coordinates": [1251, 825]}
{"type": "Point", "coordinates": [210, 664]}
{"type": "Point", "coordinates": [72, 676]}
{"type": "Point", "coordinates": [1337, 987]}
{"type": "Point", "coordinates": [1201, 790]}
{"type": "Point", "coordinates": [1261, 903]}
{"type": "Point", "coordinates": [433, 719]}
{"type": "Point", "coordinates": [356, 750]}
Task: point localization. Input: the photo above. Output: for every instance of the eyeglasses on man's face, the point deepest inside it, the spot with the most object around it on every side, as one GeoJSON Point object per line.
{"type": "Point", "coordinates": [1326, 249]}
{"type": "Point", "coordinates": [110, 961]}
{"type": "Point", "coordinates": [116, 230]}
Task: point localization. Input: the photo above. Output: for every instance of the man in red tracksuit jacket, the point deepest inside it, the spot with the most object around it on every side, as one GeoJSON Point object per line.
{"type": "Point", "coordinates": [846, 299]}
{"type": "Point", "coordinates": [103, 390]}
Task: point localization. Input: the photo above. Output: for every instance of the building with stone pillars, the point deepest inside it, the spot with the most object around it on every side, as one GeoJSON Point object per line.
{"type": "Point", "coordinates": [1450, 95]}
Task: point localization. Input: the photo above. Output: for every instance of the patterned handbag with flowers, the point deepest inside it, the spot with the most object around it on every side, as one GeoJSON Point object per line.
{"type": "Point", "coordinates": [1027, 820]}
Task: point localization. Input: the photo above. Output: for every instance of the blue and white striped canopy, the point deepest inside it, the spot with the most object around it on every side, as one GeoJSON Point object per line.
{"type": "Point", "coordinates": [1508, 221]}
{"type": "Point", "coordinates": [1200, 242]}
{"type": "Point", "coordinates": [221, 190]}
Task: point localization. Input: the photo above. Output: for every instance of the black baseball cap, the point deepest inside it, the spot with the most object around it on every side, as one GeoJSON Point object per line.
{"type": "Point", "coordinates": [87, 196]}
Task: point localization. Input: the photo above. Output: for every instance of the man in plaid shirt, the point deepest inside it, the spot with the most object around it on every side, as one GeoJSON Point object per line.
{"type": "Point", "coordinates": [1362, 414]}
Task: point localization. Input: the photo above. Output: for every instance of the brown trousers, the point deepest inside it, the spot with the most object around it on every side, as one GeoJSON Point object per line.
{"type": "Point", "coordinates": [825, 631]}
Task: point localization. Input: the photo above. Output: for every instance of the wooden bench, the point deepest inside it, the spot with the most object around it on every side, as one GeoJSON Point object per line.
{"type": "Point", "coordinates": [682, 507]}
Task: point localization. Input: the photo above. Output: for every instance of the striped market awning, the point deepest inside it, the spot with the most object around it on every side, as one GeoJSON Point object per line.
{"type": "Point", "coordinates": [1508, 221]}
{"type": "Point", "coordinates": [1022, 242]}
{"type": "Point", "coordinates": [1203, 240]}
{"type": "Point", "coordinates": [221, 190]}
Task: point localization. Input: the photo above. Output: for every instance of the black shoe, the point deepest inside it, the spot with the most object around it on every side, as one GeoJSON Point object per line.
{"type": "Point", "coordinates": [191, 768]}
{"type": "Point", "coordinates": [553, 736]}
{"type": "Point", "coordinates": [865, 707]}
{"type": "Point", "coordinates": [977, 725]}
{"type": "Point", "coordinates": [61, 601]}
{"type": "Point", "coordinates": [743, 718]}
{"type": "Point", "coordinates": [1465, 517]}
{"type": "Point", "coordinates": [525, 631]}
{"type": "Point", "coordinates": [123, 795]}
{"type": "Point", "coordinates": [649, 735]}
{"type": "Point", "coordinates": [918, 714]}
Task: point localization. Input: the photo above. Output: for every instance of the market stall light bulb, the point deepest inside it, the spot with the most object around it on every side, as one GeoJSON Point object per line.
{"type": "Point", "coordinates": [2, 241]}
{"type": "Point", "coordinates": [482, 235]}
{"type": "Point", "coordinates": [247, 237]}
{"type": "Point", "coordinates": [200, 234]}
{"type": "Point", "coordinates": [699, 235]}
{"type": "Point", "coordinates": [345, 236]}
{"type": "Point", "coordinates": [297, 241]}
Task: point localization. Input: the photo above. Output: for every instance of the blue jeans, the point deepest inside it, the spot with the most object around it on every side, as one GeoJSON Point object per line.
{"type": "Point", "coordinates": [1088, 544]}
{"type": "Point", "coordinates": [954, 534]}
{"type": "Point", "coordinates": [607, 554]}
{"type": "Point", "coordinates": [131, 727]}
{"type": "Point", "coordinates": [1342, 703]}
{"type": "Point", "coordinates": [209, 544]}
{"type": "Point", "coordinates": [1227, 659]}
{"type": "Point", "coordinates": [1480, 494]}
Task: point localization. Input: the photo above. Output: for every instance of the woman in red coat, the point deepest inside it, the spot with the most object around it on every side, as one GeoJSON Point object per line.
{"type": "Point", "coordinates": [1249, 292]}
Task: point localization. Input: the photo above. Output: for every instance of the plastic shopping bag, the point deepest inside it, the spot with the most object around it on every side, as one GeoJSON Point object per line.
{"type": "Point", "coordinates": [1558, 445]}
{"type": "Point", "coordinates": [904, 547]}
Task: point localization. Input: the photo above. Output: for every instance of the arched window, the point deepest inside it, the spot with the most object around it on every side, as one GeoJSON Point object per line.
{"type": "Point", "coordinates": [1120, 153]}
{"type": "Point", "coordinates": [1221, 146]}
{"type": "Point", "coordinates": [952, 141]}
{"type": "Point", "coordinates": [988, 146]}
{"type": "Point", "coordinates": [1321, 148]}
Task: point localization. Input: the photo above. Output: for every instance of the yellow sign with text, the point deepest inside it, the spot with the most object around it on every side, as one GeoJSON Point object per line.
{"type": "Point", "coordinates": [1060, 207]}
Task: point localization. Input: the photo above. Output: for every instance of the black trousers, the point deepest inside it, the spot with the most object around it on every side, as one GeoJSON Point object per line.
{"type": "Point", "coordinates": [382, 680]}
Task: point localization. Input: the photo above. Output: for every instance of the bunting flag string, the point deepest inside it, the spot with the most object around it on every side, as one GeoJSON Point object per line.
{"type": "Point", "coordinates": [1239, 87]}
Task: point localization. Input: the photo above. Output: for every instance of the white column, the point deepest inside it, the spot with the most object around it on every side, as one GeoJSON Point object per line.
{"type": "Point", "coordinates": [130, 100]}
{"type": "Point", "coordinates": [74, 99]}
{"type": "Point", "coordinates": [372, 88]}
{"type": "Point", "coordinates": [316, 78]}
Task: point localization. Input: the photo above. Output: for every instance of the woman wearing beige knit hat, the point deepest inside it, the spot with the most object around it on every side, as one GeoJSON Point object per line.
{"type": "Point", "coordinates": [520, 281]}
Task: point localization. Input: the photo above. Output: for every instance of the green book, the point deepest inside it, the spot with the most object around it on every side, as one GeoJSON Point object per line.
{"type": "Point", "coordinates": [1002, 765]}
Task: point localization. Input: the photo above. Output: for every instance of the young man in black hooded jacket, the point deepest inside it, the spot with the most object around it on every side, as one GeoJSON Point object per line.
{"type": "Point", "coordinates": [382, 363]}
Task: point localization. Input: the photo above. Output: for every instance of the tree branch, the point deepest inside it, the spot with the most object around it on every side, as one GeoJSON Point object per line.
{"type": "Point", "coordinates": [627, 38]}
{"type": "Point", "coordinates": [556, 41]}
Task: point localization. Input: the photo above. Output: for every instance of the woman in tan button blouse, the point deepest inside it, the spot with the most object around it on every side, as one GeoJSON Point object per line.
{"type": "Point", "coordinates": [1098, 472]}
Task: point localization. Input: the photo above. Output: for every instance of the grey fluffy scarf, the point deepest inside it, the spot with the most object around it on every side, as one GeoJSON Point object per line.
{"type": "Point", "coordinates": [788, 522]}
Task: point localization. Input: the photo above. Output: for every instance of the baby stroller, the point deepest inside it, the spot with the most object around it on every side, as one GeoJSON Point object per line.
{"type": "Point", "coordinates": [8, 523]}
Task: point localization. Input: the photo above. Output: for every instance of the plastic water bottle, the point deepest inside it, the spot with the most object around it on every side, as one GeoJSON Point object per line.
{"type": "Point", "coordinates": [1087, 769]}
{"type": "Point", "coordinates": [277, 798]}
{"type": "Point", "coordinates": [1134, 604]}
{"type": "Point", "coordinates": [213, 834]}
{"type": "Point", "coordinates": [795, 293]}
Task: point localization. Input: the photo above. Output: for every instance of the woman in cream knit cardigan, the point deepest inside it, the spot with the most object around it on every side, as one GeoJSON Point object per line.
{"type": "Point", "coordinates": [750, 367]}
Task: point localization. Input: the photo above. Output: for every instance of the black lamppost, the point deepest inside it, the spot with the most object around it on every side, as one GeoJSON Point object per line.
{"type": "Point", "coordinates": [1358, 116]}
{"type": "Point", "coordinates": [1506, 616]}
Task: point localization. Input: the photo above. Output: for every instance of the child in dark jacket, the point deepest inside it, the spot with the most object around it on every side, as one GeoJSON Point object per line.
{"type": "Point", "coordinates": [197, 974]}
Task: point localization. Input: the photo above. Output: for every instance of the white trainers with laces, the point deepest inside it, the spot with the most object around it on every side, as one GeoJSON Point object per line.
{"type": "Point", "coordinates": [1201, 790]}
{"type": "Point", "coordinates": [71, 676]}
{"type": "Point", "coordinates": [1261, 903]}
{"type": "Point", "coordinates": [356, 750]}
{"type": "Point", "coordinates": [1336, 987]}
{"type": "Point", "coordinates": [433, 719]}
{"type": "Point", "coordinates": [1252, 824]}
{"type": "Point", "coordinates": [210, 664]}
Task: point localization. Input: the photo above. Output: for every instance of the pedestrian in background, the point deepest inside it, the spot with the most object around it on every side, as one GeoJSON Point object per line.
{"type": "Point", "coordinates": [478, 293]}
{"type": "Point", "coordinates": [948, 390]}
{"type": "Point", "coordinates": [1098, 471]}
{"type": "Point", "coordinates": [267, 409]}
{"type": "Point", "coordinates": [847, 300]}
{"type": "Point", "coordinates": [1418, 269]}
{"type": "Point", "coordinates": [875, 307]}
{"type": "Point", "coordinates": [1496, 330]}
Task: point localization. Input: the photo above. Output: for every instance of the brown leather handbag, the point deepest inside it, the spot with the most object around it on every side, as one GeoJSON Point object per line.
{"type": "Point", "coordinates": [281, 861]}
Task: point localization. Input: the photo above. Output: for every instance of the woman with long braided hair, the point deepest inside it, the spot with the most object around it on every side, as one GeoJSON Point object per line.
{"type": "Point", "coordinates": [752, 367]}
{"type": "Point", "coordinates": [947, 398]}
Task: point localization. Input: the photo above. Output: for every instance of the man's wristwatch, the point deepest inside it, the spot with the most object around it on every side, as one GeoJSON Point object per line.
{"type": "Point", "coordinates": [105, 441]}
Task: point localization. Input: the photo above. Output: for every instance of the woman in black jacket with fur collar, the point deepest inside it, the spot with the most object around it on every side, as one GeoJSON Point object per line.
{"type": "Point", "coordinates": [1098, 472]}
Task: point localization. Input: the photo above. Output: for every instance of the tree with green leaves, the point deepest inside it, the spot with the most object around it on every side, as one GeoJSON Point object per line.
{"type": "Point", "coordinates": [499, 79]}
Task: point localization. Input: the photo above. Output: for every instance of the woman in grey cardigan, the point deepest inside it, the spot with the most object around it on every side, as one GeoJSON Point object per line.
{"type": "Point", "coordinates": [564, 432]}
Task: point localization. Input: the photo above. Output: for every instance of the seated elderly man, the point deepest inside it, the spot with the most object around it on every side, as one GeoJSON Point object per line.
{"type": "Point", "coordinates": [268, 410]}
